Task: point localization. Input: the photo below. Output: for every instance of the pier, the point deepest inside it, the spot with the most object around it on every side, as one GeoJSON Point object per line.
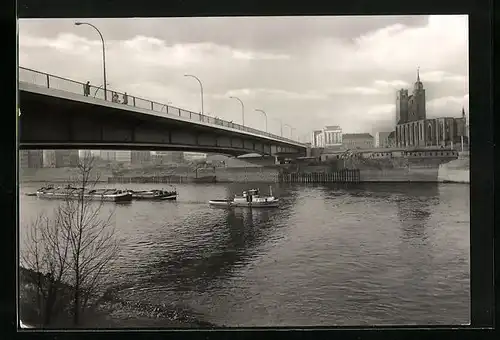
{"type": "Point", "coordinates": [342, 176]}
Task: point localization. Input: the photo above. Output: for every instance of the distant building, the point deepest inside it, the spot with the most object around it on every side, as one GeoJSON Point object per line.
{"type": "Point", "coordinates": [391, 139]}
{"type": "Point", "coordinates": [66, 158]}
{"type": "Point", "coordinates": [108, 155]}
{"type": "Point", "coordinates": [82, 154]}
{"type": "Point", "coordinates": [166, 157]}
{"type": "Point", "coordinates": [193, 156]}
{"type": "Point", "coordinates": [49, 158]}
{"type": "Point", "coordinates": [414, 129]}
{"type": "Point", "coordinates": [30, 159]}
{"type": "Point", "coordinates": [60, 158]}
{"type": "Point", "coordinates": [357, 141]}
{"type": "Point", "coordinates": [23, 159]}
{"type": "Point", "coordinates": [382, 139]}
{"type": "Point", "coordinates": [327, 137]}
{"type": "Point", "coordinates": [123, 156]}
{"type": "Point", "coordinates": [140, 157]}
{"type": "Point", "coordinates": [317, 139]}
{"type": "Point", "coordinates": [74, 159]}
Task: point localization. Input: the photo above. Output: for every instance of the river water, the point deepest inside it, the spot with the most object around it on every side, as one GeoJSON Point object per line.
{"type": "Point", "coordinates": [371, 254]}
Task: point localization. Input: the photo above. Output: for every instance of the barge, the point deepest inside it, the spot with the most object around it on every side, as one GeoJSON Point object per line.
{"type": "Point", "coordinates": [154, 195]}
{"type": "Point", "coordinates": [69, 192]}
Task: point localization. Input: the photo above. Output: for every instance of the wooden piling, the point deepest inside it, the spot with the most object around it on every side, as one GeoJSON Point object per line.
{"type": "Point", "coordinates": [342, 176]}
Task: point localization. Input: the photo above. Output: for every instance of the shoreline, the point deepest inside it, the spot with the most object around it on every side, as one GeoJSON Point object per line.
{"type": "Point", "coordinates": [451, 172]}
{"type": "Point", "coordinates": [112, 311]}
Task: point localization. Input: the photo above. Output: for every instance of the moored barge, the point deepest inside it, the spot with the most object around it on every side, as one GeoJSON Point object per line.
{"type": "Point", "coordinates": [154, 195]}
{"type": "Point", "coordinates": [69, 192]}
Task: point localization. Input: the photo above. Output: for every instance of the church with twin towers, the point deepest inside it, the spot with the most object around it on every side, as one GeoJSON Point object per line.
{"type": "Point", "coordinates": [413, 129]}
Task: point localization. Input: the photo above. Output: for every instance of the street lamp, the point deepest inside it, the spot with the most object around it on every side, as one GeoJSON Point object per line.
{"type": "Point", "coordinates": [289, 128]}
{"type": "Point", "coordinates": [201, 88]}
{"type": "Point", "coordinates": [242, 109]}
{"type": "Point", "coordinates": [265, 115]}
{"type": "Point", "coordinates": [103, 53]}
{"type": "Point", "coordinates": [281, 126]}
{"type": "Point", "coordinates": [305, 135]}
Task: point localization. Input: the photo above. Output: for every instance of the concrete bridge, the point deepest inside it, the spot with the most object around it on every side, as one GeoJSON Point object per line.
{"type": "Point", "coordinates": [55, 114]}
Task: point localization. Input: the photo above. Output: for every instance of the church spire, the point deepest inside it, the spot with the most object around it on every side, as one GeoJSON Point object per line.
{"type": "Point", "coordinates": [418, 74]}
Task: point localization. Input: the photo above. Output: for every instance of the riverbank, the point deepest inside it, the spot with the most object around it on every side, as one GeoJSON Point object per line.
{"type": "Point", "coordinates": [110, 311]}
{"type": "Point", "coordinates": [390, 170]}
{"type": "Point", "coordinates": [456, 171]}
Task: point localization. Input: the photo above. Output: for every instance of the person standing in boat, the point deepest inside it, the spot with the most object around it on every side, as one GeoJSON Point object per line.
{"type": "Point", "coordinates": [125, 98]}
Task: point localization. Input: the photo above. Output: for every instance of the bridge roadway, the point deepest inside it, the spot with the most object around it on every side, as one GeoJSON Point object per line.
{"type": "Point", "coordinates": [55, 114]}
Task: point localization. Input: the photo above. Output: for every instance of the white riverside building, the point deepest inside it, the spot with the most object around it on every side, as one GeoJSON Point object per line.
{"type": "Point", "coordinates": [382, 140]}
{"type": "Point", "coordinates": [123, 156]}
{"type": "Point", "coordinates": [329, 136]}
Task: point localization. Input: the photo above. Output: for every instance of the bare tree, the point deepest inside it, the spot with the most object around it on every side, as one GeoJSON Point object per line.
{"type": "Point", "coordinates": [74, 247]}
{"type": "Point", "coordinates": [46, 254]}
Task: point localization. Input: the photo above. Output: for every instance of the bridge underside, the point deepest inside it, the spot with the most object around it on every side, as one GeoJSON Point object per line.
{"type": "Point", "coordinates": [56, 123]}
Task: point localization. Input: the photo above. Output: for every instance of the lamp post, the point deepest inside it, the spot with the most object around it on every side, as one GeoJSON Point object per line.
{"type": "Point", "coordinates": [265, 115]}
{"type": "Point", "coordinates": [201, 89]}
{"type": "Point", "coordinates": [242, 109]}
{"type": "Point", "coordinates": [281, 126]}
{"type": "Point", "coordinates": [103, 53]}
{"type": "Point", "coordinates": [289, 128]}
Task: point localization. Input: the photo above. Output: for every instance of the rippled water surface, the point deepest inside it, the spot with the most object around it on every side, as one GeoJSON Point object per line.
{"type": "Point", "coordinates": [330, 255]}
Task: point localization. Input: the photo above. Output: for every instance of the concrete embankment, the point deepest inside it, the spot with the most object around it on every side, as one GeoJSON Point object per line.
{"type": "Point", "coordinates": [205, 175]}
{"type": "Point", "coordinates": [399, 175]}
{"type": "Point", "coordinates": [250, 174]}
{"type": "Point", "coordinates": [457, 171]}
{"type": "Point", "coordinates": [383, 170]}
{"type": "Point", "coordinates": [54, 175]}
{"type": "Point", "coordinates": [402, 169]}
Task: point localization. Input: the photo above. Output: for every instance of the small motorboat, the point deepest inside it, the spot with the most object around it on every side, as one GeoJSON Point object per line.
{"type": "Point", "coordinates": [249, 199]}
{"type": "Point", "coordinates": [153, 194]}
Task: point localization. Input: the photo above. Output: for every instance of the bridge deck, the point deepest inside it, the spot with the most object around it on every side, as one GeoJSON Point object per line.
{"type": "Point", "coordinates": [44, 83]}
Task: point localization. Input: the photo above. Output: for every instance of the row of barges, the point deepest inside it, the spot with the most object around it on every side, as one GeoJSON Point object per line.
{"type": "Point", "coordinates": [251, 198]}
{"type": "Point", "coordinates": [108, 195]}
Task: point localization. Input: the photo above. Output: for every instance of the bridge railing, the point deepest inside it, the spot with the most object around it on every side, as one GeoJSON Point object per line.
{"type": "Point", "coordinates": [64, 84]}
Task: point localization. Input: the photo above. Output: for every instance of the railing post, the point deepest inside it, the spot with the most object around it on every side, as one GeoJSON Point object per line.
{"type": "Point", "coordinates": [152, 106]}
{"type": "Point", "coordinates": [48, 82]}
{"type": "Point", "coordinates": [133, 100]}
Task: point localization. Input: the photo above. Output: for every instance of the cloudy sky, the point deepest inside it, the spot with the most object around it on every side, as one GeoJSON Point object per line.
{"type": "Point", "coordinates": [307, 71]}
